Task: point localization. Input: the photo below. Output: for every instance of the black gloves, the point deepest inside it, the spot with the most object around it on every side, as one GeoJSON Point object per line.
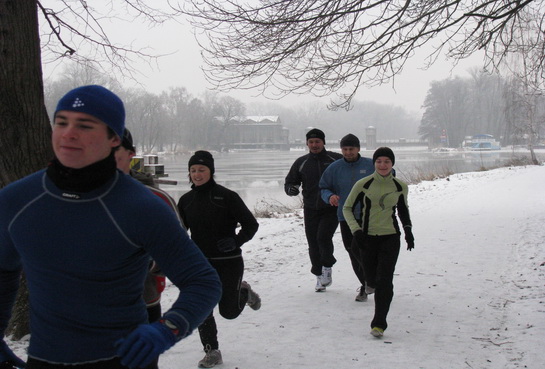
{"type": "Point", "coordinates": [227, 244]}
{"type": "Point", "coordinates": [292, 190]}
{"type": "Point", "coordinates": [409, 238]}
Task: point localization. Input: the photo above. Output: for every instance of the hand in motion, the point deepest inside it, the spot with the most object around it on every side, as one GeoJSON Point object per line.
{"type": "Point", "coordinates": [227, 244]}
{"type": "Point", "coordinates": [409, 238]}
{"type": "Point", "coordinates": [293, 190]}
{"type": "Point", "coordinates": [144, 344]}
{"type": "Point", "coordinates": [6, 355]}
{"type": "Point", "coordinates": [334, 200]}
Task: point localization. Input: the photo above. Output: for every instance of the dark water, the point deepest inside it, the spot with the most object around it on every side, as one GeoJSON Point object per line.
{"type": "Point", "coordinates": [259, 175]}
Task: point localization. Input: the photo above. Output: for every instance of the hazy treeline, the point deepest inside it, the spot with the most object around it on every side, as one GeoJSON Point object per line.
{"type": "Point", "coordinates": [482, 104]}
{"type": "Point", "coordinates": [176, 120]}
{"type": "Point", "coordinates": [391, 122]}
{"type": "Point", "coordinates": [173, 120]}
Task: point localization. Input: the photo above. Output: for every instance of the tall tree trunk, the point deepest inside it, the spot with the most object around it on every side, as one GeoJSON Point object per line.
{"type": "Point", "coordinates": [24, 126]}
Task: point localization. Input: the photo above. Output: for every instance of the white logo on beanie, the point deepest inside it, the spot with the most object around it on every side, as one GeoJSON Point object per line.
{"type": "Point", "coordinates": [77, 103]}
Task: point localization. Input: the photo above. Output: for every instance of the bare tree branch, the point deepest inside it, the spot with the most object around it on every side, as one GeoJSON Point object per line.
{"type": "Point", "coordinates": [325, 46]}
{"type": "Point", "coordinates": [76, 30]}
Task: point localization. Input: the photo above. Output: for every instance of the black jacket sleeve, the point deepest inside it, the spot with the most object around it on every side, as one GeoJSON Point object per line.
{"type": "Point", "coordinates": [293, 178]}
{"type": "Point", "coordinates": [403, 212]}
{"type": "Point", "coordinates": [247, 221]}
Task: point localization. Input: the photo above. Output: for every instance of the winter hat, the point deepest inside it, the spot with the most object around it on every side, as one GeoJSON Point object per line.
{"type": "Point", "coordinates": [97, 101]}
{"type": "Point", "coordinates": [316, 133]}
{"type": "Point", "coordinates": [127, 141]}
{"type": "Point", "coordinates": [203, 158]}
{"type": "Point", "coordinates": [350, 140]}
{"type": "Point", "coordinates": [384, 151]}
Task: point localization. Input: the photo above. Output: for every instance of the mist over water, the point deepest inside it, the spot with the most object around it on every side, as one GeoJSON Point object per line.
{"type": "Point", "coordinates": [259, 175]}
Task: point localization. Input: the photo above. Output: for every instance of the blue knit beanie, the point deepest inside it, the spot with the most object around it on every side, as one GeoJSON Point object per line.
{"type": "Point", "coordinates": [97, 101]}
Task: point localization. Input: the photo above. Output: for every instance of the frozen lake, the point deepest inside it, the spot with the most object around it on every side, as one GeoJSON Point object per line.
{"type": "Point", "coordinates": [259, 175]}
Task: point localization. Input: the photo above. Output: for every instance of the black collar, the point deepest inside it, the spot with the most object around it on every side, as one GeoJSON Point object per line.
{"type": "Point", "coordinates": [205, 187]}
{"type": "Point", "coordinates": [85, 179]}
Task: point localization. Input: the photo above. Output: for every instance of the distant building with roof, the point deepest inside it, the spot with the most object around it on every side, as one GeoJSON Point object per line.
{"type": "Point", "coordinates": [256, 132]}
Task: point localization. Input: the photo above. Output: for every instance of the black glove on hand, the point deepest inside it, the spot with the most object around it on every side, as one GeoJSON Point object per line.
{"type": "Point", "coordinates": [409, 238]}
{"type": "Point", "coordinates": [360, 238]}
{"type": "Point", "coordinates": [293, 190]}
{"type": "Point", "coordinates": [227, 244]}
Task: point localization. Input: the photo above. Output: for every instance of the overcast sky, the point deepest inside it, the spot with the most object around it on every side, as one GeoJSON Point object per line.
{"type": "Point", "coordinates": [182, 68]}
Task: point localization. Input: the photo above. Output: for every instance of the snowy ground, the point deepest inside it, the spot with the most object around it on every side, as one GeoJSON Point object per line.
{"type": "Point", "coordinates": [470, 295]}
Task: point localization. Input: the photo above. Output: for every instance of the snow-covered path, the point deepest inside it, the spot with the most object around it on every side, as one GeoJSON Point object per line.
{"type": "Point", "coordinates": [471, 294]}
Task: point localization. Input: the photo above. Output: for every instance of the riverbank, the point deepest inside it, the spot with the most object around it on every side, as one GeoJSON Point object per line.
{"type": "Point", "coordinates": [259, 175]}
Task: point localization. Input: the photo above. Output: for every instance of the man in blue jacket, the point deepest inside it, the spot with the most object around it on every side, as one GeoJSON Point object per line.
{"type": "Point", "coordinates": [320, 219]}
{"type": "Point", "coordinates": [335, 185]}
{"type": "Point", "coordinates": [83, 233]}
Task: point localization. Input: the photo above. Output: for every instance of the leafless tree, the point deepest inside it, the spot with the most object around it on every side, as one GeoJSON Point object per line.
{"type": "Point", "coordinates": [445, 113]}
{"type": "Point", "coordinates": [461, 107]}
{"type": "Point", "coordinates": [145, 118]}
{"type": "Point", "coordinates": [223, 109]}
{"type": "Point", "coordinates": [527, 86]}
{"type": "Point", "coordinates": [325, 46]}
{"type": "Point", "coordinates": [77, 30]}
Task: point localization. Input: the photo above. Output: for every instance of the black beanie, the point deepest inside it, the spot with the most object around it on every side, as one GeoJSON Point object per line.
{"type": "Point", "coordinates": [127, 141]}
{"type": "Point", "coordinates": [203, 158]}
{"type": "Point", "coordinates": [316, 133]}
{"type": "Point", "coordinates": [384, 151]}
{"type": "Point", "coordinates": [350, 140]}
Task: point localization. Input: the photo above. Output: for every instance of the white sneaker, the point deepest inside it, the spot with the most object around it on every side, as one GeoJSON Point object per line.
{"type": "Point", "coordinates": [211, 359]}
{"type": "Point", "coordinates": [377, 332]}
{"type": "Point", "coordinates": [361, 296]}
{"type": "Point", "coordinates": [319, 287]}
{"type": "Point", "coordinates": [254, 301]}
{"type": "Point", "coordinates": [326, 276]}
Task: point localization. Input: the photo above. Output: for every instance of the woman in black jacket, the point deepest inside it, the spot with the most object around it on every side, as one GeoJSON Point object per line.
{"type": "Point", "coordinates": [211, 213]}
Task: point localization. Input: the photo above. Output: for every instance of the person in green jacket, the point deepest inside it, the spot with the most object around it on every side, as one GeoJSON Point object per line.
{"type": "Point", "coordinates": [378, 235]}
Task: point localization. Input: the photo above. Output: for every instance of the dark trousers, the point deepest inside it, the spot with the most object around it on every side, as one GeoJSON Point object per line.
{"type": "Point", "coordinates": [233, 299]}
{"type": "Point", "coordinates": [106, 364]}
{"type": "Point", "coordinates": [320, 226]}
{"type": "Point", "coordinates": [154, 313]}
{"type": "Point", "coordinates": [380, 255]}
{"type": "Point", "coordinates": [353, 252]}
